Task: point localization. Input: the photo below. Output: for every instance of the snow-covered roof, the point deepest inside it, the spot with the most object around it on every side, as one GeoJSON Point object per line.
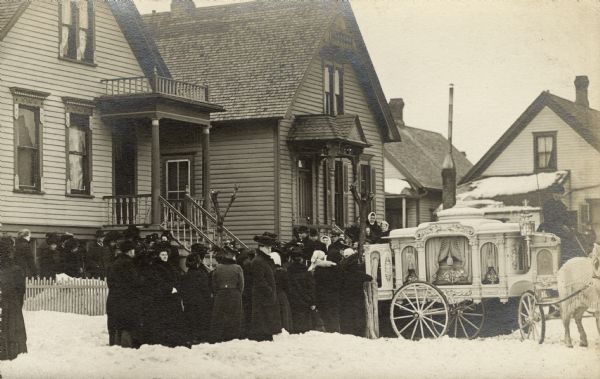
{"type": "Point", "coordinates": [395, 186]}
{"type": "Point", "coordinates": [493, 186]}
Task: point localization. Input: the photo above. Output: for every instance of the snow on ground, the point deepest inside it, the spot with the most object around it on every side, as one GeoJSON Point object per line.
{"type": "Point", "coordinates": [65, 345]}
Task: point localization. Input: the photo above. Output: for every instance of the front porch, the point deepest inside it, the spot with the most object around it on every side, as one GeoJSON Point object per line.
{"type": "Point", "coordinates": [141, 112]}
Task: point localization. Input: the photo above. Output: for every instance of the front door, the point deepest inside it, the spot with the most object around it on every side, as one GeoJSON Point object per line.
{"type": "Point", "coordinates": [177, 181]}
{"type": "Point", "coordinates": [305, 191]}
{"type": "Point", "coordinates": [124, 164]}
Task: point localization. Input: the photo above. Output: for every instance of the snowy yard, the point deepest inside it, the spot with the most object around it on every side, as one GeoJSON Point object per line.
{"type": "Point", "coordinates": [65, 345]}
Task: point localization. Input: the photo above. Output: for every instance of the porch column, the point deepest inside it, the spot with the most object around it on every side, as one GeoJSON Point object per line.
{"type": "Point", "coordinates": [404, 221]}
{"type": "Point", "coordinates": [155, 189]}
{"type": "Point", "coordinates": [205, 166]}
{"type": "Point", "coordinates": [332, 153]}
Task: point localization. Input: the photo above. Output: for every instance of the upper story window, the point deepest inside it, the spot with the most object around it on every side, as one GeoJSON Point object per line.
{"type": "Point", "coordinates": [28, 122]}
{"type": "Point", "coordinates": [77, 30]}
{"type": "Point", "coordinates": [78, 115]}
{"type": "Point", "coordinates": [544, 151]}
{"type": "Point", "coordinates": [333, 95]}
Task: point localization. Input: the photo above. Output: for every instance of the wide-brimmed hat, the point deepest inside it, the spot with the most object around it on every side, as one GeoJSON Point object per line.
{"type": "Point", "coordinates": [264, 240]}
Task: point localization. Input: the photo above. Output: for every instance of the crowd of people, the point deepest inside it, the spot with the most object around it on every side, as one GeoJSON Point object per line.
{"type": "Point", "coordinates": [310, 283]}
{"type": "Point", "coordinates": [156, 296]}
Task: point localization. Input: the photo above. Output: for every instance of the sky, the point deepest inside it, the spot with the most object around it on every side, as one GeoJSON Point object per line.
{"type": "Point", "coordinates": [500, 55]}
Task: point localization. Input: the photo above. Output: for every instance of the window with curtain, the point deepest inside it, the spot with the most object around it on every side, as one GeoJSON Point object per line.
{"type": "Point", "coordinates": [448, 260]}
{"type": "Point", "coordinates": [76, 32]}
{"type": "Point", "coordinates": [410, 264]}
{"type": "Point", "coordinates": [489, 263]}
{"type": "Point", "coordinates": [28, 147]}
{"type": "Point", "coordinates": [545, 151]}
{"type": "Point", "coordinates": [78, 145]}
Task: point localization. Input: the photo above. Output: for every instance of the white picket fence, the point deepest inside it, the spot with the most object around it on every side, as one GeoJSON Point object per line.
{"type": "Point", "coordinates": [81, 296]}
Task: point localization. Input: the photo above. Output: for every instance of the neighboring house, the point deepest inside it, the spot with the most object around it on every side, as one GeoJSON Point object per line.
{"type": "Point", "coordinates": [413, 172]}
{"type": "Point", "coordinates": [305, 115]}
{"type": "Point", "coordinates": [556, 138]}
{"type": "Point", "coordinates": [84, 94]}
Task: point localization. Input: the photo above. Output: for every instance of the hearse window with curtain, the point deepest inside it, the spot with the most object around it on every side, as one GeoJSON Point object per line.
{"type": "Point", "coordinates": [77, 30]}
{"type": "Point", "coordinates": [545, 151]}
{"type": "Point", "coordinates": [333, 85]}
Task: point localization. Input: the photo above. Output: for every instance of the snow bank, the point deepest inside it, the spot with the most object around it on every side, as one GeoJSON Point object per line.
{"type": "Point", "coordinates": [394, 186]}
{"type": "Point", "coordinates": [509, 185]}
{"type": "Point", "coordinates": [65, 345]}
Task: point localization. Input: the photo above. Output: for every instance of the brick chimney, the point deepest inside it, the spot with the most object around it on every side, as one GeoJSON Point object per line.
{"type": "Point", "coordinates": [581, 90]}
{"type": "Point", "coordinates": [182, 8]}
{"type": "Point", "coordinates": [397, 108]}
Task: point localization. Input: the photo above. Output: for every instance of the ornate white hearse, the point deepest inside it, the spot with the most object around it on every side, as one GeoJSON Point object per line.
{"type": "Point", "coordinates": [437, 274]}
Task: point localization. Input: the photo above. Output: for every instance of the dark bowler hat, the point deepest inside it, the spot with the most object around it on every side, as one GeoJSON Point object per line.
{"type": "Point", "coordinates": [265, 240]}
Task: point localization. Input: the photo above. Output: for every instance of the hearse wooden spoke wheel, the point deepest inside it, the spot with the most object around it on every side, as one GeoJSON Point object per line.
{"type": "Point", "coordinates": [419, 310]}
{"type": "Point", "coordinates": [466, 319]}
{"type": "Point", "coordinates": [532, 321]}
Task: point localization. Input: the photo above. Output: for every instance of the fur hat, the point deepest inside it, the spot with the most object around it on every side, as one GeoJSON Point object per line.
{"type": "Point", "coordinates": [126, 246]}
{"type": "Point", "coordinates": [264, 240]}
{"type": "Point", "coordinates": [199, 248]}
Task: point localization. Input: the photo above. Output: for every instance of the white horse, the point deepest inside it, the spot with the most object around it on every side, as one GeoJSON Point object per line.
{"type": "Point", "coordinates": [582, 276]}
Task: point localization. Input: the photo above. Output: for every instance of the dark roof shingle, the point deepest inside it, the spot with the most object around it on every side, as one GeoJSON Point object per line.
{"type": "Point", "coordinates": [324, 127]}
{"type": "Point", "coordinates": [421, 154]}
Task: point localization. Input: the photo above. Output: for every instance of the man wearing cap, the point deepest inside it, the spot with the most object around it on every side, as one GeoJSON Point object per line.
{"type": "Point", "coordinates": [265, 310]}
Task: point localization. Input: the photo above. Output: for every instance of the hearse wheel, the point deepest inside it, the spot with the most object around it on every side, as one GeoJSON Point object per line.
{"type": "Point", "coordinates": [466, 319]}
{"type": "Point", "coordinates": [532, 321]}
{"type": "Point", "coordinates": [419, 310]}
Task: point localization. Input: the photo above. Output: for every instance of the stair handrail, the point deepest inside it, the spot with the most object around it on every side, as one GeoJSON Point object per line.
{"type": "Point", "coordinates": [212, 218]}
{"type": "Point", "coordinates": [166, 203]}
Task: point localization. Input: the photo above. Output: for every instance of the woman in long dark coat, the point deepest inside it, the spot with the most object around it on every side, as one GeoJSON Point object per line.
{"type": "Point", "coordinates": [282, 283]}
{"type": "Point", "coordinates": [302, 292]}
{"type": "Point", "coordinates": [228, 284]}
{"type": "Point", "coordinates": [352, 296]}
{"type": "Point", "coordinates": [327, 287]}
{"type": "Point", "coordinates": [265, 310]}
{"type": "Point", "coordinates": [167, 321]}
{"type": "Point", "coordinates": [196, 297]}
{"type": "Point", "coordinates": [12, 284]}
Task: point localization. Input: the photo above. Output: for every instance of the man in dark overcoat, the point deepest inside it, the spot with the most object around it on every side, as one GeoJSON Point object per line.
{"type": "Point", "coordinates": [265, 309]}
{"type": "Point", "coordinates": [301, 293]}
{"type": "Point", "coordinates": [96, 256]}
{"type": "Point", "coordinates": [124, 304]}
{"type": "Point", "coordinates": [313, 243]}
{"type": "Point", "coordinates": [352, 297]}
{"type": "Point", "coordinates": [196, 295]}
{"type": "Point", "coordinates": [557, 222]}
{"type": "Point", "coordinates": [51, 257]}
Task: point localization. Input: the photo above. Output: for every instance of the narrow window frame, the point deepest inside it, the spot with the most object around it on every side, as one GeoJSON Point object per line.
{"type": "Point", "coordinates": [31, 100]}
{"type": "Point", "coordinates": [553, 161]}
{"type": "Point", "coordinates": [83, 109]}
{"type": "Point", "coordinates": [76, 28]}
{"type": "Point", "coordinates": [333, 88]}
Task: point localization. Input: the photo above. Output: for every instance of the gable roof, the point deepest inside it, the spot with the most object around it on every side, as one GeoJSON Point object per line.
{"type": "Point", "coordinates": [420, 156]}
{"type": "Point", "coordinates": [10, 11]}
{"type": "Point", "coordinates": [254, 55]}
{"type": "Point", "coordinates": [585, 121]}
{"type": "Point", "coordinates": [324, 127]}
{"type": "Point", "coordinates": [141, 42]}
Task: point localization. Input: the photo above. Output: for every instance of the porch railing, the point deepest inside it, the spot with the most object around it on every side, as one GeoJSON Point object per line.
{"type": "Point", "coordinates": [128, 209]}
{"type": "Point", "coordinates": [81, 296]}
{"type": "Point", "coordinates": [156, 84]}
{"type": "Point", "coordinates": [184, 230]}
{"type": "Point", "coordinates": [201, 215]}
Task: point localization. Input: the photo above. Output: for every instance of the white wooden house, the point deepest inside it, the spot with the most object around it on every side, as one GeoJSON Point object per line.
{"type": "Point", "coordinates": [553, 135]}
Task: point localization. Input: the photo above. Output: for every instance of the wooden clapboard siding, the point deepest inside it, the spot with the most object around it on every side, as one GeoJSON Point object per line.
{"type": "Point", "coordinates": [286, 180]}
{"type": "Point", "coordinates": [309, 100]}
{"type": "Point", "coordinates": [245, 155]}
{"type": "Point", "coordinates": [573, 154]}
{"type": "Point", "coordinates": [30, 60]}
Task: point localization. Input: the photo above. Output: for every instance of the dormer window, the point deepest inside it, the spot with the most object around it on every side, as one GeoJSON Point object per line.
{"type": "Point", "coordinates": [77, 30]}
{"type": "Point", "coordinates": [333, 95]}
